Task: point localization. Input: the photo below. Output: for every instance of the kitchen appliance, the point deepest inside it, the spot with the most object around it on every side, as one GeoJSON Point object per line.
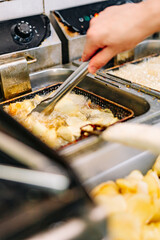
{"type": "Point", "coordinates": [33, 36]}
{"type": "Point", "coordinates": [90, 159]}
{"type": "Point", "coordinates": [24, 33]}
{"type": "Point", "coordinates": [29, 40]}
{"type": "Point", "coordinates": [47, 219]}
{"type": "Point", "coordinates": [71, 25]}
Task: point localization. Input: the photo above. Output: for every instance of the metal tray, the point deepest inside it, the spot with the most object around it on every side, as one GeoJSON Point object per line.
{"type": "Point", "coordinates": [121, 112]}
{"type": "Point", "coordinates": [143, 162]}
{"type": "Point", "coordinates": [129, 83]}
{"type": "Point", "coordinates": [99, 87]}
{"type": "Point", "coordinates": [147, 48]}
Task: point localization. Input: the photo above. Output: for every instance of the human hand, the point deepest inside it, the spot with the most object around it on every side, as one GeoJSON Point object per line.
{"type": "Point", "coordinates": [116, 29]}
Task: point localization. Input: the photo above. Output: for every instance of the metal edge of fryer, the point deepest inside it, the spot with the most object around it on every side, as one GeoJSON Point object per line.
{"type": "Point", "coordinates": [139, 87]}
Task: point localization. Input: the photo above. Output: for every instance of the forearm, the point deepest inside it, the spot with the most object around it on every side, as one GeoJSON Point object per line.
{"type": "Point", "coordinates": [152, 12]}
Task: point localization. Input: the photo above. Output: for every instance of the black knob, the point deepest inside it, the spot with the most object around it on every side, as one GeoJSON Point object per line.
{"type": "Point", "coordinates": [22, 32]}
{"type": "Point", "coordinates": [23, 29]}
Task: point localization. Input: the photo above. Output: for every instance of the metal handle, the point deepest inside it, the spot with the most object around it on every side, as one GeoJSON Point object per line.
{"type": "Point", "coordinates": [14, 77]}
{"type": "Point", "coordinates": [67, 86]}
{"type": "Point", "coordinates": [30, 59]}
{"type": "Point", "coordinates": [141, 136]}
{"type": "Point", "coordinates": [52, 181]}
{"type": "Point", "coordinates": [72, 80]}
{"type": "Point", "coordinates": [23, 153]}
{"type": "Point", "coordinates": [48, 175]}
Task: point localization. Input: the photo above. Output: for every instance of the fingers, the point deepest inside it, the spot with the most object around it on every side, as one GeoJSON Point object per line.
{"type": "Point", "coordinates": [89, 50]}
{"type": "Point", "coordinates": [92, 44]}
{"type": "Point", "coordinates": [100, 59]}
{"type": "Point", "coordinates": [95, 47]}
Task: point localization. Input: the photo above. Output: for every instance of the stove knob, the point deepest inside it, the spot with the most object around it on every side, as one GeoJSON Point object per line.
{"type": "Point", "coordinates": [22, 32]}
{"type": "Point", "coordinates": [23, 29]}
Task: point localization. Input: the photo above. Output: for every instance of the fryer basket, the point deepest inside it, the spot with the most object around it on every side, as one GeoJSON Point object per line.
{"type": "Point", "coordinates": [129, 83]}
{"type": "Point", "coordinates": [119, 111]}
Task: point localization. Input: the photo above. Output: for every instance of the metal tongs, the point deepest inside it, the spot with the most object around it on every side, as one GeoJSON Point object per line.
{"type": "Point", "coordinates": [47, 105]}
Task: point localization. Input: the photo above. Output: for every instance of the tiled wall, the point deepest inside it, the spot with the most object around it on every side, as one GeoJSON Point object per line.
{"type": "Point", "coordinates": [20, 8]}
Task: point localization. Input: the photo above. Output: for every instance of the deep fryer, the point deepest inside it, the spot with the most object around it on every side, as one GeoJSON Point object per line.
{"type": "Point", "coordinates": [121, 112]}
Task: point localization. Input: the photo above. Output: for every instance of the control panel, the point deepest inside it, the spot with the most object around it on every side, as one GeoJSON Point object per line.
{"type": "Point", "coordinates": [23, 33]}
{"type": "Point", "coordinates": [78, 18]}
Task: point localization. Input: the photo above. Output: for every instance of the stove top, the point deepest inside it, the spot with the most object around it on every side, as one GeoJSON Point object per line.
{"type": "Point", "coordinates": [23, 33]}
{"type": "Point", "coordinates": [77, 18]}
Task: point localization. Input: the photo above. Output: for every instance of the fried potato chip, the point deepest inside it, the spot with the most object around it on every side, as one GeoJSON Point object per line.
{"type": "Point", "coordinates": [153, 183]}
{"type": "Point", "coordinates": [140, 205]}
{"type": "Point", "coordinates": [156, 166]}
{"type": "Point", "coordinates": [112, 204]}
{"type": "Point", "coordinates": [109, 188]}
{"type": "Point", "coordinates": [124, 226]}
{"type": "Point", "coordinates": [151, 231]}
{"type": "Point", "coordinates": [156, 211]}
{"type": "Point", "coordinates": [130, 183]}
